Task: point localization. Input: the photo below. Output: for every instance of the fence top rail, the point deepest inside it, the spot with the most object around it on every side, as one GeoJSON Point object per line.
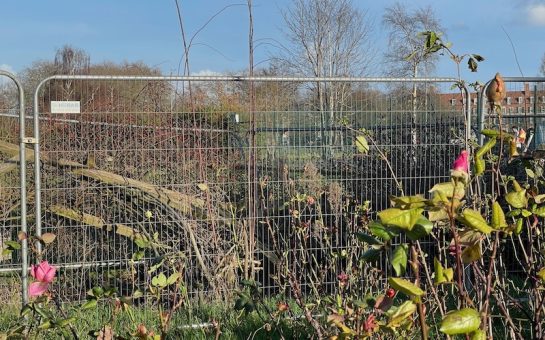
{"type": "Point", "coordinates": [513, 80]}
{"type": "Point", "coordinates": [524, 79]}
{"type": "Point", "coordinates": [255, 78]}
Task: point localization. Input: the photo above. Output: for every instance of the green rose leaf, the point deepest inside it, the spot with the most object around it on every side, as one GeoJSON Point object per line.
{"type": "Point", "coordinates": [367, 239]}
{"type": "Point", "coordinates": [480, 166]}
{"type": "Point", "coordinates": [448, 274]}
{"type": "Point", "coordinates": [362, 145]}
{"type": "Point", "coordinates": [498, 217]}
{"type": "Point", "coordinates": [401, 313]}
{"type": "Point", "coordinates": [422, 228]}
{"type": "Point", "coordinates": [371, 254]}
{"type": "Point", "coordinates": [485, 148]}
{"type": "Point", "coordinates": [442, 274]}
{"type": "Point", "coordinates": [399, 259]}
{"type": "Point", "coordinates": [490, 133]}
{"type": "Point", "coordinates": [13, 245]}
{"type": "Point", "coordinates": [517, 199]}
{"type": "Point", "coordinates": [448, 189]}
{"type": "Point", "coordinates": [540, 211]}
{"type": "Point", "coordinates": [479, 334]}
{"type": "Point", "coordinates": [462, 321]}
{"type": "Point", "coordinates": [473, 219]}
{"type": "Point", "coordinates": [404, 219]}
{"type": "Point", "coordinates": [381, 231]}
{"type": "Point", "coordinates": [409, 202]}
{"type": "Point", "coordinates": [405, 286]}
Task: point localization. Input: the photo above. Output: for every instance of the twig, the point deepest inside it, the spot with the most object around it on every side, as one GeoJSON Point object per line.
{"type": "Point", "coordinates": [298, 298]}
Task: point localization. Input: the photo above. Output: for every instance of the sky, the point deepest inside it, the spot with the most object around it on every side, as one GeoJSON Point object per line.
{"type": "Point", "coordinates": [149, 31]}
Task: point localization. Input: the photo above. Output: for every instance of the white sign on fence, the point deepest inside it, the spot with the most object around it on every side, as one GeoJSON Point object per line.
{"type": "Point", "coordinates": [65, 107]}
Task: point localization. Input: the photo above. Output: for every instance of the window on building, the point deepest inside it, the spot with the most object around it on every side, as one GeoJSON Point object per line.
{"type": "Point", "coordinates": [453, 102]}
{"type": "Point", "coordinates": [520, 100]}
{"type": "Point", "coordinates": [531, 100]}
{"type": "Point", "coordinates": [508, 99]}
{"type": "Point", "coordinates": [543, 99]}
{"type": "Point", "coordinates": [519, 109]}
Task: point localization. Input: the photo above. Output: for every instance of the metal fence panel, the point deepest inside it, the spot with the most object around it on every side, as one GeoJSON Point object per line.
{"type": "Point", "coordinates": [227, 178]}
{"type": "Point", "coordinates": [523, 109]}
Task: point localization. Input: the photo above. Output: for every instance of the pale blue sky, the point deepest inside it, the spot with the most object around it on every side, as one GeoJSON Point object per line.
{"type": "Point", "coordinates": [148, 31]}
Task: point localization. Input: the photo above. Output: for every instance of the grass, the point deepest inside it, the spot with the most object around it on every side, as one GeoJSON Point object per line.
{"type": "Point", "coordinates": [186, 324]}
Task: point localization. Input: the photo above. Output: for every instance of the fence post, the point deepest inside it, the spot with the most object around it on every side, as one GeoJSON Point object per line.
{"type": "Point", "coordinates": [22, 179]}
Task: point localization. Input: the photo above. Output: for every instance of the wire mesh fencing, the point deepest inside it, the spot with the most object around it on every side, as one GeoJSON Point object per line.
{"type": "Point", "coordinates": [521, 115]}
{"type": "Point", "coordinates": [234, 175]}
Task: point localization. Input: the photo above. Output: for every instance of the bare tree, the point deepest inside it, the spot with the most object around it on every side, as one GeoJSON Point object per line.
{"type": "Point", "coordinates": [70, 60]}
{"type": "Point", "coordinates": [406, 55]}
{"type": "Point", "coordinates": [327, 38]}
{"type": "Point", "coordinates": [542, 66]}
{"type": "Point", "coordinates": [404, 40]}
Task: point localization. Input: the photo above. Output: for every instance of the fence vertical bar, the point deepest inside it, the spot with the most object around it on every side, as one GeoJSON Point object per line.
{"type": "Point", "coordinates": [22, 178]}
{"type": "Point", "coordinates": [37, 166]}
{"type": "Point", "coordinates": [480, 114]}
{"type": "Point", "coordinates": [535, 109]}
{"type": "Point", "coordinates": [468, 115]}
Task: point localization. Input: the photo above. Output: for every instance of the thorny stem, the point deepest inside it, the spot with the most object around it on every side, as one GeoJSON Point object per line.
{"type": "Point", "coordinates": [489, 279]}
{"type": "Point", "coordinates": [298, 298]}
{"type": "Point", "coordinates": [458, 254]}
{"type": "Point", "coordinates": [399, 185]}
{"type": "Point", "coordinates": [429, 280]}
{"type": "Point", "coordinates": [501, 305]}
{"type": "Point", "coordinates": [415, 264]}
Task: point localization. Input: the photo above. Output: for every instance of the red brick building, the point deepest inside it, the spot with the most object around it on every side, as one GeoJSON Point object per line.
{"type": "Point", "coordinates": [521, 101]}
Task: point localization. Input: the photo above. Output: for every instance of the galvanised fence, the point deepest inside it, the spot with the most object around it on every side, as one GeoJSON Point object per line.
{"type": "Point", "coordinates": [522, 119]}
{"type": "Point", "coordinates": [231, 173]}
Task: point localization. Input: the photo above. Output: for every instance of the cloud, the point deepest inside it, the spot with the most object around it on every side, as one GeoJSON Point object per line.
{"type": "Point", "coordinates": [536, 14]}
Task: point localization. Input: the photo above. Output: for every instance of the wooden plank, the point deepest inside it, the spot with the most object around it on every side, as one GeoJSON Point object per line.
{"type": "Point", "coordinates": [94, 221]}
{"type": "Point", "coordinates": [186, 204]}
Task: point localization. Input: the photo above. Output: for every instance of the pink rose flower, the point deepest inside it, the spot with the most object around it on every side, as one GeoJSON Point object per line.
{"type": "Point", "coordinates": [462, 162]}
{"type": "Point", "coordinates": [44, 274]}
{"type": "Point", "coordinates": [37, 288]}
